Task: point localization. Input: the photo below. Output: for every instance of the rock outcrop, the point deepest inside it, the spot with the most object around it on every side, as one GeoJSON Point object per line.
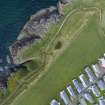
{"type": "Point", "coordinates": [39, 22]}
{"type": "Point", "coordinates": [65, 1]}
{"type": "Point", "coordinates": [35, 29]}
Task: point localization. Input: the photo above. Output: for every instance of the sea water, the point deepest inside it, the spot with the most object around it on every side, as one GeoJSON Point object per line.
{"type": "Point", "coordinates": [13, 15]}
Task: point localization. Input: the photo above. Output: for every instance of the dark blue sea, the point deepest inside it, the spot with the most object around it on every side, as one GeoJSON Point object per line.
{"type": "Point", "coordinates": [13, 15]}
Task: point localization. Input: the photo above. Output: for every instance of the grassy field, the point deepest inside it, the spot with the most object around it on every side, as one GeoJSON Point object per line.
{"type": "Point", "coordinates": [83, 41]}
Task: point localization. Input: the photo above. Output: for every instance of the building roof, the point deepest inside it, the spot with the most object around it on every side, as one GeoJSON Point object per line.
{"type": "Point", "coordinates": [102, 62]}
{"type": "Point", "coordinates": [97, 70]}
{"type": "Point", "coordinates": [84, 81]}
{"type": "Point", "coordinates": [101, 101]}
{"type": "Point", "coordinates": [71, 91]}
{"type": "Point", "coordinates": [64, 97]}
{"type": "Point", "coordinates": [95, 90]}
{"type": "Point", "coordinates": [104, 78]}
{"type": "Point", "coordinates": [78, 85]}
{"type": "Point", "coordinates": [83, 101]}
{"type": "Point", "coordinates": [89, 98]}
{"type": "Point", "coordinates": [54, 102]}
{"type": "Point", "coordinates": [101, 84]}
{"type": "Point", "coordinates": [90, 74]}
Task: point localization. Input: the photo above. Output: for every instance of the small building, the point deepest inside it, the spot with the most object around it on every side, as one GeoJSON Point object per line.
{"type": "Point", "coordinates": [54, 102]}
{"type": "Point", "coordinates": [104, 78]}
{"type": "Point", "coordinates": [101, 84]}
{"type": "Point", "coordinates": [78, 86]}
{"type": "Point", "coordinates": [84, 81]}
{"type": "Point", "coordinates": [97, 70]}
{"type": "Point", "coordinates": [65, 97]}
{"type": "Point", "coordinates": [102, 62]}
{"type": "Point", "coordinates": [90, 74]}
{"type": "Point", "coordinates": [101, 101]}
{"type": "Point", "coordinates": [71, 91]}
{"type": "Point", "coordinates": [82, 101]}
{"type": "Point", "coordinates": [95, 90]}
{"type": "Point", "coordinates": [104, 55]}
{"type": "Point", "coordinates": [89, 98]}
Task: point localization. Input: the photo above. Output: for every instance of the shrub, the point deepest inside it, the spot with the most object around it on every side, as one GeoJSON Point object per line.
{"type": "Point", "coordinates": [58, 45]}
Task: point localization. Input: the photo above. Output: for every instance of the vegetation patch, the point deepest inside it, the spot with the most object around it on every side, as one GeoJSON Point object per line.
{"type": "Point", "coordinates": [83, 41]}
{"type": "Point", "coordinates": [58, 45]}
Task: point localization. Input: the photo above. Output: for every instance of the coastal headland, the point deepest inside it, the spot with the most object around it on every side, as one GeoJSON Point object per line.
{"type": "Point", "coordinates": [35, 29]}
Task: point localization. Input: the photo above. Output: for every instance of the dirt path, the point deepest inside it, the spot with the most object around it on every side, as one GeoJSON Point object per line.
{"type": "Point", "coordinates": [67, 44]}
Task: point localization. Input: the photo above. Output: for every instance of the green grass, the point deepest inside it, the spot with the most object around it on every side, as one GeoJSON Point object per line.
{"type": "Point", "coordinates": [84, 50]}
{"type": "Point", "coordinates": [35, 50]}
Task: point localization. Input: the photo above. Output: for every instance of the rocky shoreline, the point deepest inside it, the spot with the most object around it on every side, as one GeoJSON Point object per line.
{"type": "Point", "coordinates": [35, 29]}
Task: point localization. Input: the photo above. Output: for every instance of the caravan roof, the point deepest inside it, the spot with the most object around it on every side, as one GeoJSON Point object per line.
{"type": "Point", "coordinates": [95, 90]}
{"type": "Point", "coordinates": [97, 70]}
{"type": "Point", "coordinates": [83, 101]}
{"type": "Point", "coordinates": [89, 98]}
{"type": "Point", "coordinates": [84, 81]}
{"type": "Point", "coordinates": [101, 84]}
{"type": "Point", "coordinates": [65, 97]}
{"type": "Point", "coordinates": [102, 62]}
{"type": "Point", "coordinates": [90, 74]}
{"type": "Point", "coordinates": [54, 102]}
{"type": "Point", "coordinates": [101, 101]}
{"type": "Point", "coordinates": [71, 91]}
{"type": "Point", "coordinates": [78, 85]}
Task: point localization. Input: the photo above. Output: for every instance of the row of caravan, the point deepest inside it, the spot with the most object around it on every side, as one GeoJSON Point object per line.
{"type": "Point", "coordinates": [85, 87]}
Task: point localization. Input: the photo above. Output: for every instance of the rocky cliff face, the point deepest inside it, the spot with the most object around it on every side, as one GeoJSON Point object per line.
{"type": "Point", "coordinates": [36, 27]}
{"type": "Point", "coordinates": [38, 23]}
